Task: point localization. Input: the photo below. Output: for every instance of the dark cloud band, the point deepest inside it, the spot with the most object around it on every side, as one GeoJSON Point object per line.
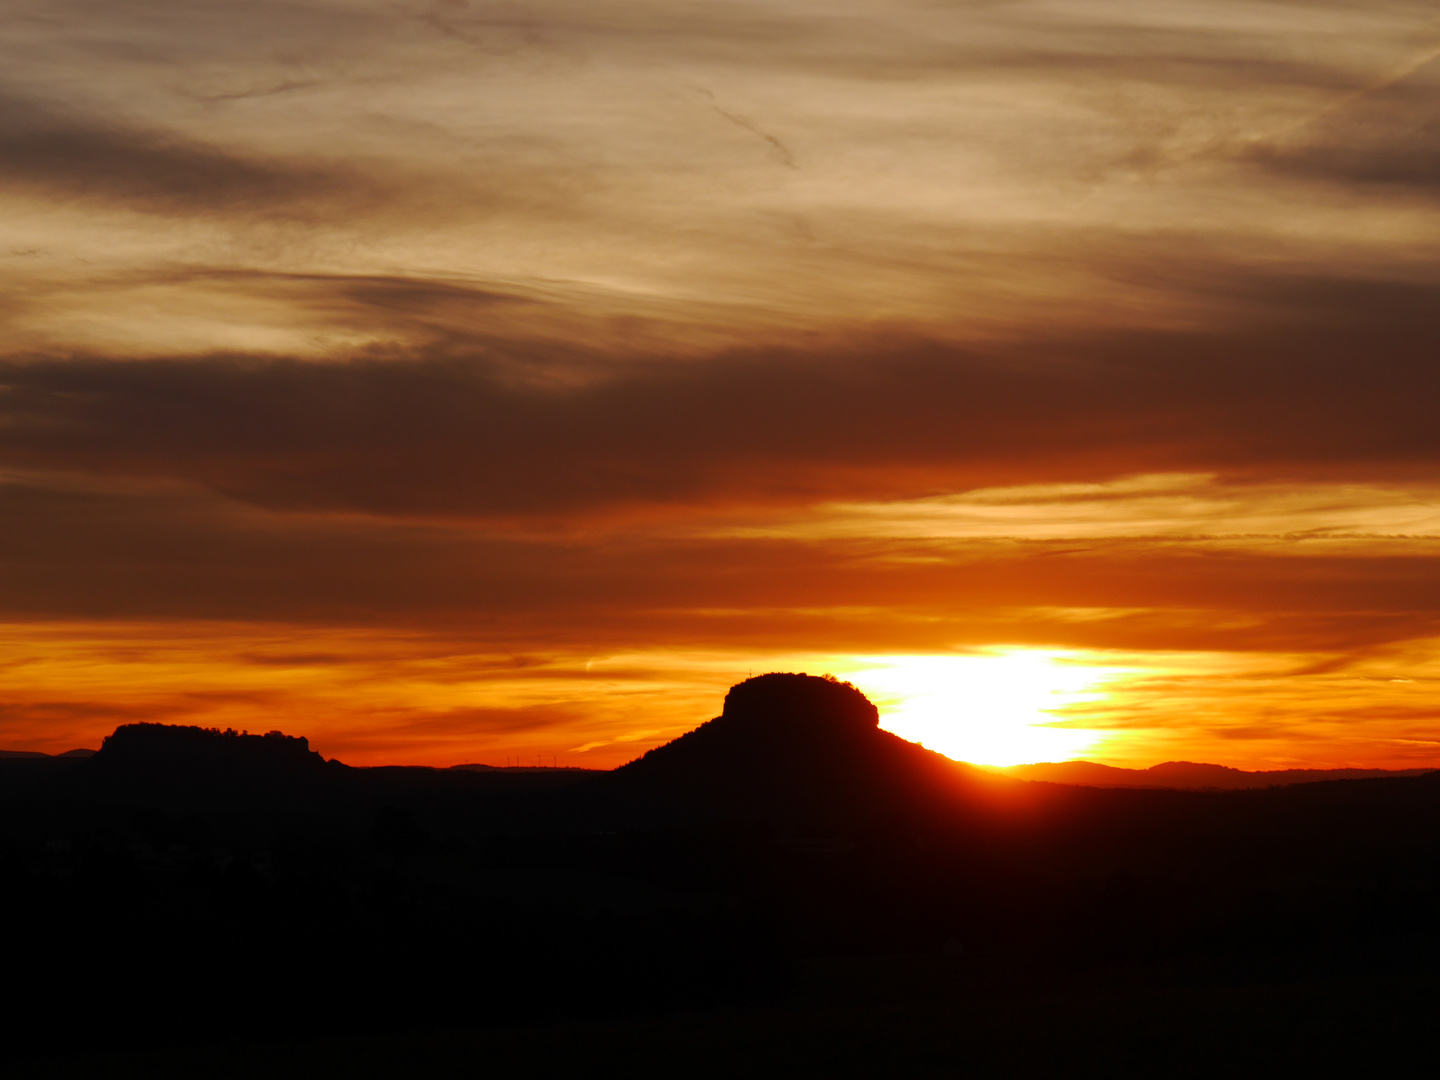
{"type": "Point", "coordinates": [1338, 384]}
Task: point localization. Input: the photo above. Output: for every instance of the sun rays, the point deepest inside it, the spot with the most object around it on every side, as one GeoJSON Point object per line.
{"type": "Point", "coordinates": [1000, 706]}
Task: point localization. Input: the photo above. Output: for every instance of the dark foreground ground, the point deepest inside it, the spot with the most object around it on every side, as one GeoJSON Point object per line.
{"type": "Point", "coordinates": [190, 903]}
{"type": "Point", "coordinates": [902, 1016]}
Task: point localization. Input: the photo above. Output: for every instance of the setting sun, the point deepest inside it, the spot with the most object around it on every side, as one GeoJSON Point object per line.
{"type": "Point", "coordinates": [999, 707]}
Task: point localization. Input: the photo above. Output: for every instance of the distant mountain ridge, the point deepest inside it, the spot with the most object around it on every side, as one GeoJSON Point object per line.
{"type": "Point", "coordinates": [781, 739]}
{"type": "Point", "coordinates": [1188, 775]}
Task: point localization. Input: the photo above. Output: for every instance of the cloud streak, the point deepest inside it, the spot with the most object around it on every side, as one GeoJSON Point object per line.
{"type": "Point", "coordinates": [45, 152]}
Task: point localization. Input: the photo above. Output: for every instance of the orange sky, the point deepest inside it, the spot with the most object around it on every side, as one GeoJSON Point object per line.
{"type": "Point", "coordinates": [463, 381]}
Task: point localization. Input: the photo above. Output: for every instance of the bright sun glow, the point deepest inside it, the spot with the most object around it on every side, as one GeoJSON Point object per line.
{"type": "Point", "coordinates": [993, 708]}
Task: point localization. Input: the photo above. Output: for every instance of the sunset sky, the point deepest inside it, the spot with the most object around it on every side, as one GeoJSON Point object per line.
{"type": "Point", "coordinates": [463, 381]}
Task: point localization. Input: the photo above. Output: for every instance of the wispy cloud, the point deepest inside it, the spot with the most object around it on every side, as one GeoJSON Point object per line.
{"type": "Point", "coordinates": [45, 152]}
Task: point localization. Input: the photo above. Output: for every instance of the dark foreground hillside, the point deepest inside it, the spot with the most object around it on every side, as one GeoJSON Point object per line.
{"type": "Point", "coordinates": [787, 883]}
{"type": "Point", "coordinates": [888, 1016]}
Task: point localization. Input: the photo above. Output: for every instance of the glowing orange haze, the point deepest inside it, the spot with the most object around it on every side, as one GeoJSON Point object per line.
{"type": "Point", "coordinates": [1206, 659]}
{"type": "Point", "coordinates": [375, 700]}
{"type": "Point", "coordinates": [447, 384]}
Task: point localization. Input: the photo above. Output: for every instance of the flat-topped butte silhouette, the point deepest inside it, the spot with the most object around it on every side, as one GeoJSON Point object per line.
{"type": "Point", "coordinates": [795, 749]}
{"type": "Point", "coordinates": [178, 765]}
{"type": "Point", "coordinates": [206, 769]}
{"type": "Point", "coordinates": [151, 745]}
